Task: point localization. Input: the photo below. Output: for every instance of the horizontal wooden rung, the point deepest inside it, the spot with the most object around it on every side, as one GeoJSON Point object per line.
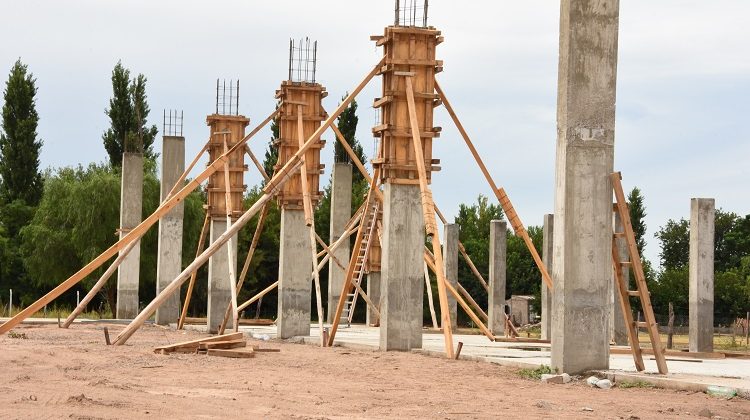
{"type": "Point", "coordinates": [634, 293]}
{"type": "Point", "coordinates": [619, 234]}
{"type": "Point", "coordinates": [626, 263]}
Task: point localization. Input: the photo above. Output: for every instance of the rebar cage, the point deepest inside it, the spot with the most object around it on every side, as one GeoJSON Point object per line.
{"type": "Point", "coordinates": [227, 101]}
{"type": "Point", "coordinates": [411, 13]}
{"type": "Point", "coordinates": [303, 60]}
{"type": "Point", "coordinates": [172, 123]}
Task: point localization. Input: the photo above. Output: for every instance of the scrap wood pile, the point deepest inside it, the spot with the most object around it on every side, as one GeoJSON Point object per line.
{"type": "Point", "coordinates": [226, 345]}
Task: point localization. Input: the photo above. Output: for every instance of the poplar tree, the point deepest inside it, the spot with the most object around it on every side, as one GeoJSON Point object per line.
{"type": "Point", "coordinates": [20, 178]}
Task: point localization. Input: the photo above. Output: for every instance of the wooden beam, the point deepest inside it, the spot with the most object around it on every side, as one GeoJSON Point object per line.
{"type": "Point", "coordinates": [258, 296]}
{"type": "Point", "coordinates": [257, 163]}
{"type": "Point", "coordinates": [195, 343]}
{"type": "Point", "coordinates": [502, 197]}
{"type": "Point", "coordinates": [235, 354]}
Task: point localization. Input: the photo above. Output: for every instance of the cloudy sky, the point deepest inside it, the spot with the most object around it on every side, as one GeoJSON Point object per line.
{"type": "Point", "coordinates": [682, 95]}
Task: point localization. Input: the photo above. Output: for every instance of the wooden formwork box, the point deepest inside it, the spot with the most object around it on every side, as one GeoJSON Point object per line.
{"type": "Point", "coordinates": [410, 50]}
{"type": "Point", "coordinates": [216, 191]}
{"type": "Point", "coordinates": [292, 95]}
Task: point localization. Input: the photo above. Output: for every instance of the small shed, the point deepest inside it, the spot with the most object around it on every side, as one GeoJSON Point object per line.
{"type": "Point", "coordinates": [520, 309]}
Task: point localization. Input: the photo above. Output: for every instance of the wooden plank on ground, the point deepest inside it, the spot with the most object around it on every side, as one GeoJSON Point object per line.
{"type": "Point", "coordinates": [236, 354]}
{"type": "Point", "coordinates": [520, 340]}
{"type": "Point", "coordinates": [194, 343]}
{"type": "Point", "coordinates": [230, 344]}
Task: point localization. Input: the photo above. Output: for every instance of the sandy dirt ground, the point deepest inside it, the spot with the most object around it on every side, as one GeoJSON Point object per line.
{"type": "Point", "coordinates": [56, 373]}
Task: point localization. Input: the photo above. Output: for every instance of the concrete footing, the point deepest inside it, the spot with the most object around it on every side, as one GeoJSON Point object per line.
{"type": "Point", "coordinates": [496, 299]}
{"type": "Point", "coordinates": [582, 257]}
{"type": "Point", "coordinates": [373, 292]}
{"type": "Point", "coordinates": [450, 265]}
{"type": "Point", "coordinates": [547, 241]}
{"type": "Point", "coordinates": [402, 273]}
{"type": "Point", "coordinates": [219, 292]}
{"type": "Point", "coordinates": [701, 277]}
{"type": "Point", "coordinates": [131, 199]}
{"type": "Point", "coordinates": [341, 212]}
{"type": "Point", "coordinates": [169, 257]}
{"type": "Point", "coordinates": [295, 276]}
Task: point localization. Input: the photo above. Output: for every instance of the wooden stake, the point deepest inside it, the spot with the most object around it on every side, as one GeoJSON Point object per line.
{"type": "Point", "coordinates": [670, 326]}
{"type": "Point", "coordinates": [502, 197]}
{"type": "Point", "coordinates": [189, 294]}
{"type": "Point", "coordinates": [428, 210]}
{"type": "Point", "coordinates": [132, 236]}
{"type": "Point", "coordinates": [428, 287]}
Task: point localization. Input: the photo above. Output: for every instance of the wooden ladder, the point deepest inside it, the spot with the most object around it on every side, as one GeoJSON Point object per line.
{"type": "Point", "coordinates": [372, 212]}
{"type": "Point", "coordinates": [641, 288]}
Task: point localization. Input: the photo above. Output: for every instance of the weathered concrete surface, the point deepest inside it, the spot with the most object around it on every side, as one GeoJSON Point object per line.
{"type": "Point", "coordinates": [450, 265]}
{"type": "Point", "coordinates": [618, 329]}
{"type": "Point", "coordinates": [169, 257]}
{"type": "Point", "coordinates": [702, 218]}
{"type": "Point", "coordinates": [131, 199]}
{"type": "Point", "coordinates": [373, 292]}
{"type": "Point", "coordinates": [547, 234]}
{"type": "Point", "coordinates": [219, 293]}
{"type": "Point", "coordinates": [402, 272]}
{"type": "Point", "coordinates": [295, 276]}
{"type": "Point", "coordinates": [341, 212]}
{"type": "Point", "coordinates": [582, 267]}
{"type": "Point", "coordinates": [496, 298]}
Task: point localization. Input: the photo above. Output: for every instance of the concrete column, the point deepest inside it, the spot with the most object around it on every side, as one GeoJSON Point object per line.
{"type": "Point", "coordinates": [341, 212]}
{"type": "Point", "coordinates": [549, 223]}
{"type": "Point", "coordinates": [373, 291]}
{"type": "Point", "coordinates": [496, 300]}
{"type": "Point", "coordinates": [450, 265]}
{"type": "Point", "coordinates": [618, 328]}
{"type": "Point", "coordinates": [295, 276]}
{"type": "Point", "coordinates": [702, 218]}
{"type": "Point", "coordinates": [169, 257]}
{"type": "Point", "coordinates": [131, 199]}
{"type": "Point", "coordinates": [582, 259]}
{"type": "Point", "coordinates": [219, 293]}
{"type": "Point", "coordinates": [402, 270]}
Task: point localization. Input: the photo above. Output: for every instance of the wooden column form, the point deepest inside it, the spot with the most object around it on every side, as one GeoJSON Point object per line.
{"type": "Point", "coordinates": [300, 117]}
{"type": "Point", "coordinates": [225, 193]}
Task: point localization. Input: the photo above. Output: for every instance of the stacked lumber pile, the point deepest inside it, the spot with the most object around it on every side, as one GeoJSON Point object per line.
{"type": "Point", "coordinates": [227, 345]}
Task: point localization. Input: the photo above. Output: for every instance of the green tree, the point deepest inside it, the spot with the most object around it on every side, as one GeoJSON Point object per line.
{"type": "Point", "coordinates": [637, 211]}
{"type": "Point", "coordinates": [128, 111]}
{"type": "Point", "coordinates": [674, 238]}
{"type": "Point", "coordinates": [347, 124]}
{"type": "Point", "coordinates": [20, 178]}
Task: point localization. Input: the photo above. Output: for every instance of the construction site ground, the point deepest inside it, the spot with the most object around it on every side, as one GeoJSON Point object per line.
{"type": "Point", "coordinates": [48, 372]}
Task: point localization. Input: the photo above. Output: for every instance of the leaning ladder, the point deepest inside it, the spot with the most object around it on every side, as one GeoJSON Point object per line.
{"type": "Point", "coordinates": [621, 282]}
{"type": "Point", "coordinates": [371, 218]}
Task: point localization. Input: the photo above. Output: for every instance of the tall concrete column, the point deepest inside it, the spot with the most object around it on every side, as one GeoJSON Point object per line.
{"type": "Point", "coordinates": [295, 276]}
{"type": "Point", "coordinates": [582, 266]}
{"type": "Point", "coordinates": [131, 199]}
{"type": "Point", "coordinates": [341, 212]}
{"type": "Point", "coordinates": [496, 300]}
{"type": "Point", "coordinates": [402, 272]}
{"type": "Point", "coordinates": [373, 292]}
{"type": "Point", "coordinates": [450, 265]}
{"type": "Point", "coordinates": [169, 257]}
{"type": "Point", "coordinates": [618, 328]}
{"type": "Point", "coordinates": [547, 235]}
{"type": "Point", "coordinates": [702, 218]}
{"type": "Point", "coordinates": [219, 292]}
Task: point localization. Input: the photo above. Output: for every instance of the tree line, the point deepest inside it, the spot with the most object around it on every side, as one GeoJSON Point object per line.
{"type": "Point", "coordinates": [53, 222]}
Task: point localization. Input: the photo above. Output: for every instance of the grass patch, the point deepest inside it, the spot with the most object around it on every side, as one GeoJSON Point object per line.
{"type": "Point", "coordinates": [13, 334]}
{"type": "Point", "coordinates": [635, 384]}
{"type": "Point", "coordinates": [534, 374]}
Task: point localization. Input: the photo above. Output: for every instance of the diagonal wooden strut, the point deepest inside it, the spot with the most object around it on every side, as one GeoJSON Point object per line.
{"type": "Point", "coordinates": [641, 292]}
{"type": "Point", "coordinates": [502, 197]}
{"type": "Point", "coordinates": [194, 274]}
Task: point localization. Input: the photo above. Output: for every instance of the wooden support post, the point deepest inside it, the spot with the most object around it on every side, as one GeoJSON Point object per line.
{"type": "Point", "coordinates": [310, 222]}
{"type": "Point", "coordinates": [231, 261]}
{"type": "Point", "coordinates": [258, 296]}
{"type": "Point", "coordinates": [428, 287]}
{"type": "Point", "coordinates": [257, 163]}
{"type": "Point", "coordinates": [502, 197]}
{"type": "Point", "coordinates": [462, 251]}
{"type": "Point", "coordinates": [191, 285]}
{"type": "Point", "coordinates": [670, 326]}
{"type": "Point", "coordinates": [428, 210]}
{"type": "Point", "coordinates": [132, 236]}
{"type": "Point", "coordinates": [472, 302]}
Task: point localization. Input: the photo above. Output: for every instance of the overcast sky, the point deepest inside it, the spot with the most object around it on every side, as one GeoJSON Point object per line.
{"type": "Point", "coordinates": [682, 94]}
